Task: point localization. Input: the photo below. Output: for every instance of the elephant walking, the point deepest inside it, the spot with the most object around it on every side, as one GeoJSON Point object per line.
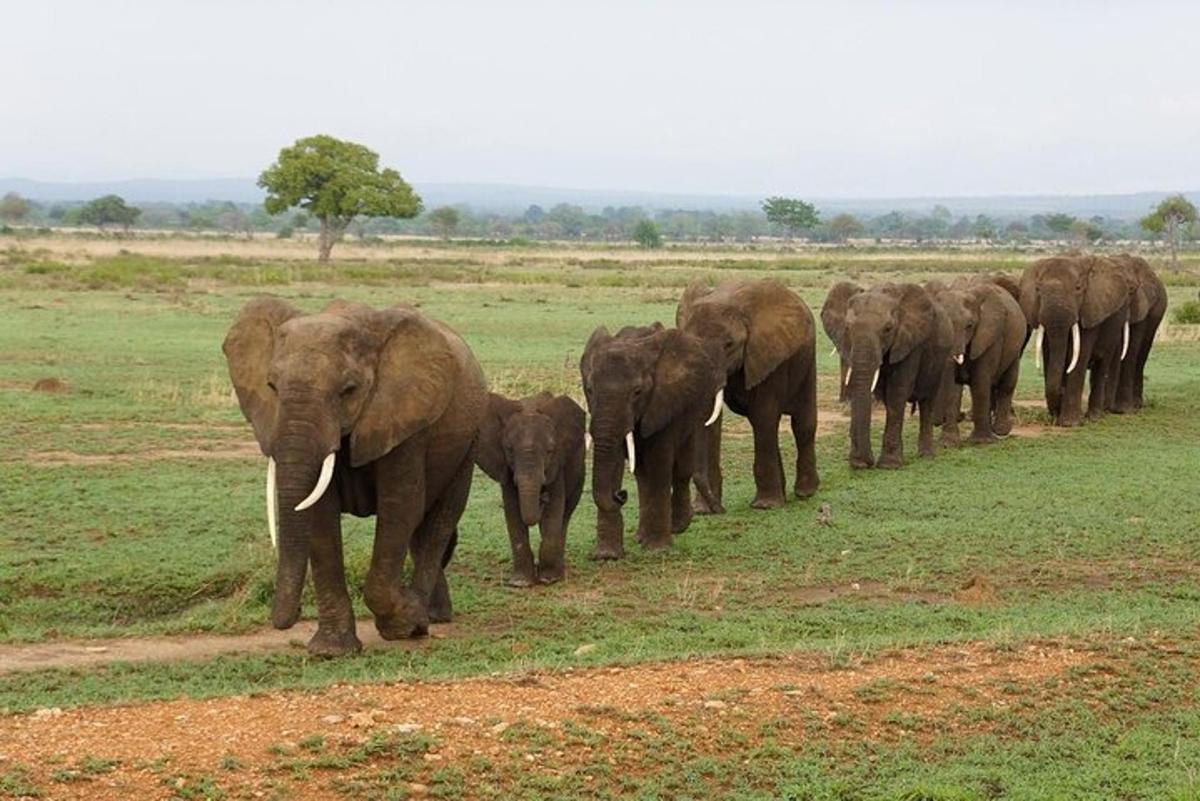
{"type": "Point", "coordinates": [895, 341]}
{"type": "Point", "coordinates": [989, 334]}
{"type": "Point", "coordinates": [1147, 307]}
{"type": "Point", "coordinates": [364, 412]}
{"type": "Point", "coordinates": [1078, 307]}
{"type": "Point", "coordinates": [649, 391]}
{"type": "Point", "coordinates": [535, 449]}
{"type": "Point", "coordinates": [766, 338]}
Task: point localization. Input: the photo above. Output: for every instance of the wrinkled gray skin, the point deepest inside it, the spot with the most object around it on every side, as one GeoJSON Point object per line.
{"type": "Point", "coordinates": [658, 383]}
{"type": "Point", "coordinates": [899, 330]}
{"type": "Point", "coordinates": [1093, 291]}
{"type": "Point", "coordinates": [766, 337]}
{"type": "Point", "coordinates": [1148, 305]}
{"type": "Point", "coordinates": [990, 332]}
{"type": "Point", "coordinates": [535, 449]}
{"type": "Point", "coordinates": [397, 397]}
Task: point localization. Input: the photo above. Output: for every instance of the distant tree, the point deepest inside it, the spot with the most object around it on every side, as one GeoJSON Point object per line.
{"type": "Point", "coordinates": [335, 181]}
{"type": "Point", "coordinates": [1059, 224]}
{"type": "Point", "coordinates": [107, 210]}
{"type": "Point", "coordinates": [1016, 230]}
{"type": "Point", "coordinates": [1083, 232]}
{"type": "Point", "coordinates": [845, 226]}
{"type": "Point", "coordinates": [444, 220]}
{"type": "Point", "coordinates": [1168, 220]}
{"type": "Point", "coordinates": [534, 214]}
{"type": "Point", "coordinates": [984, 227]}
{"type": "Point", "coordinates": [13, 208]}
{"type": "Point", "coordinates": [792, 214]}
{"type": "Point", "coordinates": [646, 234]}
{"type": "Point", "coordinates": [571, 219]}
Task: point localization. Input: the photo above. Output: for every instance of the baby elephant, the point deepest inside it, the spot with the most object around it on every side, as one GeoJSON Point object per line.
{"type": "Point", "coordinates": [535, 448]}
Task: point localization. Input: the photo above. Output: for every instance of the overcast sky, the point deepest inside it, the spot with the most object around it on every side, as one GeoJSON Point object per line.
{"type": "Point", "coordinates": [829, 99]}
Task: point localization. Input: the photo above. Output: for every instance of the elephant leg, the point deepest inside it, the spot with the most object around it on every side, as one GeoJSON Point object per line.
{"type": "Point", "coordinates": [951, 410]}
{"type": "Point", "coordinates": [551, 566]}
{"type": "Point", "coordinates": [524, 574]}
{"type": "Point", "coordinates": [926, 407]}
{"type": "Point", "coordinates": [1123, 397]}
{"type": "Point", "coordinates": [681, 486]}
{"type": "Point", "coordinates": [1143, 355]}
{"type": "Point", "coordinates": [440, 607]}
{"type": "Point", "coordinates": [1098, 391]}
{"type": "Point", "coordinates": [654, 477]}
{"type": "Point", "coordinates": [708, 478]}
{"type": "Point", "coordinates": [804, 430]}
{"type": "Point", "coordinates": [898, 392]}
{"type": "Point", "coordinates": [335, 615]}
{"type": "Point", "coordinates": [768, 463]}
{"type": "Point", "coordinates": [433, 541]}
{"type": "Point", "coordinates": [1002, 398]}
{"type": "Point", "coordinates": [400, 482]}
{"type": "Point", "coordinates": [1071, 406]}
{"type": "Point", "coordinates": [981, 408]}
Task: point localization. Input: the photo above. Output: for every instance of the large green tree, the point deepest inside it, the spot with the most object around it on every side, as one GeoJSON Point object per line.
{"type": "Point", "coordinates": [1168, 220]}
{"type": "Point", "coordinates": [646, 234]}
{"type": "Point", "coordinates": [335, 181]}
{"type": "Point", "coordinates": [792, 214]}
{"type": "Point", "coordinates": [108, 210]}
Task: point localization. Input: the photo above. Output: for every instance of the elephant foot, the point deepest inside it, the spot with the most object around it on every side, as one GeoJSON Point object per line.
{"type": "Point", "coordinates": [550, 574]}
{"type": "Point", "coordinates": [951, 441]}
{"type": "Point", "coordinates": [605, 552]}
{"type": "Point", "coordinates": [862, 462]}
{"type": "Point", "coordinates": [680, 523]}
{"type": "Point", "coordinates": [926, 451]}
{"type": "Point", "coordinates": [656, 543]}
{"type": "Point", "coordinates": [521, 579]}
{"type": "Point", "coordinates": [767, 501]}
{"type": "Point", "coordinates": [982, 438]}
{"type": "Point", "coordinates": [330, 643]}
{"type": "Point", "coordinates": [394, 629]}
{"type": "Point", "coordinates": [440, 610]}
{"type": "Point", "coordinates": [702, 507]}
{"type": "Point", "coordinates": [891, 461]}
{"type": "Point", "coordinates": [806, 487]}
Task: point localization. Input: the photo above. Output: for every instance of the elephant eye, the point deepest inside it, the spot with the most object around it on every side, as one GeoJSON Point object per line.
{"type": "Point", "coordinates": [349, 389]}
{"type": "Point", "coordinates": [271, 386]}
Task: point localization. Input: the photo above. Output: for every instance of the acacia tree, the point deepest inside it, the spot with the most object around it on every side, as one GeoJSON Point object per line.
{"type": "Point", "coordinates": [845, 226]}
{"type": "Point", "coordinates": [444, 220]}
{"type": "Point", "coordinates": [1168, 219]}
{"type": "Point", "coordinates": [335, 181]}
{"type": "Point", "coordinates": [13, 208]}
{"type": "Point", "coordinates": [792, 214]}
{"type": "Point", "coordinates": [109, 209]}
{"type": "Point", "coordinates": [646, 234]}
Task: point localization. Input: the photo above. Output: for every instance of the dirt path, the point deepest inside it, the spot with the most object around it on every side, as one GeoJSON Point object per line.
{"type": "Point", "coordinates": [90, 653]}
{"type": "Point", "coordinates": [315, 745]}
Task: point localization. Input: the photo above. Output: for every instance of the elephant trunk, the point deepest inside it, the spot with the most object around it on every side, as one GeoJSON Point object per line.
{"type": "Point", "coordinates": [608, 467]}
{"type": "Point", "coordinates": [529, 474]}
{"type": "Point", "coordinates": [1057, 321]}
{"type": "Point", "coordinates": [865, 363]}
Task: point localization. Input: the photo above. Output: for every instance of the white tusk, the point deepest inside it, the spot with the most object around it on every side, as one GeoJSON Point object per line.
{"type": "Point", "coordinates": [630, 453]}
{"type": "Point", "coordinates": [322, 483]}
{"type": "Point", "coordinates": [272, 505]}
{"type": "Point", "coordinates": [1074, 348]}
{"type": "Point", "coordinates": [716, 412]}
{"type": "Point", "coordinates": [1037, 346]}
{"type": "Point", "coordinates": [1125, 341]}
{"type": "Point", "coordinates": [875, 379]}
{"type": "Point", "coordinates": [958, 359]}
{"type": "Point", "coordinates": [849, 372]}
{"type": "Point", "coordinates": [587, 440]}
{"type": "Point", "coordinates": [833, 352]}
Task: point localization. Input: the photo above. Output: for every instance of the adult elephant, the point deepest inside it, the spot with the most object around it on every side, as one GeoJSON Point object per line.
{"type": "Point", "coordinates": [989, 332]}
{"type": "Point", "coordinates": [1079, 307]}
{"type": "Point", "coordinates": [766, 339]}
{"type": "Point", "coordinates": [649, 391]}
{"type": "Point", "coordinates": [1147, 306]}
{"type": "Point", "coordinates": [365, 412]}
{"type": "Point", "coordinates": [895, 341]}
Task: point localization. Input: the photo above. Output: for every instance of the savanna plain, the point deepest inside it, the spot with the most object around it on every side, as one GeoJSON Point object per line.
{"type": "Point", "coordinates": [1010, 621]}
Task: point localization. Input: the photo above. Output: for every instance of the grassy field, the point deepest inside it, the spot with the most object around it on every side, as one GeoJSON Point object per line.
{"type": "Point", "coordinates": [132, 505]}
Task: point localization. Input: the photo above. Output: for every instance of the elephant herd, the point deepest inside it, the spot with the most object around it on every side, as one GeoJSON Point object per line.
{"type": "Point", "coordinates": [386, 412]}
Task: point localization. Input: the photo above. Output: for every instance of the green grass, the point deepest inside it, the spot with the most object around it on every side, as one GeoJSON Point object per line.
{"type": "Point", "coordinates": [1089, 533]}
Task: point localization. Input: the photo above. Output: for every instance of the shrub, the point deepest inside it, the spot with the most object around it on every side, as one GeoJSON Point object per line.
{"type": "Point", "coordinates": [1188, 312]}
{"type": "Point", "coordinates": [285, 232]}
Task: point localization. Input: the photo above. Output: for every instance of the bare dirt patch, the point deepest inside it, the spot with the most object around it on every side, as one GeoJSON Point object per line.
{"type": "Point", "coordinates": [542, 722]}
{"type": "Point", "coordinates": [51, 386]}
{"type": "Point", "coordinates": [245, 450]}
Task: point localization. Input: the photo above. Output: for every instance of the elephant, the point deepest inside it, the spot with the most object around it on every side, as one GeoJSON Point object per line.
{"type": "Point", "coordinates": [366, 412]}
{"type": "Point", "coordinates": [535, 449]}
{"type": "Point", "coordinates": [1148, 306]}
{"type": "Point", "coordinates": [766, 337]}
{"type": "Point", "coordinates": [649, 390]}
{"type": "Point", "coordinates": [1078, 306]}
{"type": "Point", "coordinates": [895, 341]}
{"type": "Point", "coordinates": [989, 333]}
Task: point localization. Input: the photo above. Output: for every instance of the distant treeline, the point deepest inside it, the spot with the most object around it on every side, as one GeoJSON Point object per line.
{"type": "Point", "coordinates": [571, 222]}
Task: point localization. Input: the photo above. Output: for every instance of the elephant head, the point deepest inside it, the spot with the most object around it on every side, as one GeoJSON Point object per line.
{"type": "Point", "coordinates": [757, 325]}
{"type": "Point", "coordinates": [1146, 289]}
{"type": "Point", "coordinates": [873, 329]}
{"type": "Point", "coordinates": [346, 385]}
{"type": "Point", "coordinates": [1061, 296]}
{"type": "Point", "coordinates": [529, 440]}
{"type": "Point", "coordinates": [637, 382]}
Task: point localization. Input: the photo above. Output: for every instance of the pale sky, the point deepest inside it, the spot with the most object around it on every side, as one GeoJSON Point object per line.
{"type": "Point", "coordinates": [846, 99]}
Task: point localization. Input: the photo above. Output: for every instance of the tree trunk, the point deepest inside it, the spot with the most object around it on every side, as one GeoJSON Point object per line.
{"type": "Point", "coordinates": [326, 240]}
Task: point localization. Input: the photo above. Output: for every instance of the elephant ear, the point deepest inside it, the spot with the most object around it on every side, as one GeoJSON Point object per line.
{"type": "Point", "coordinates": [570, 422]}
{"type": "Point", "coordinates": [415, 378]}
{"type": "Point", "coordinates": [696, 290]}
{"type": "Point", "coordinates": [598, 337]}
{"type": "Point", "coordinates": [991, 318]}
{"type": "Point", "coordinates": [684, 374]}
{"type": "Point", "coordinates": [914, 321]}
{"type": "Point", "coordinates": [489, 444]}
{"type": "Point", "coordinates": [1106, 293]}
{"type": "Point", "coordinates": [833, 312]}
{"type": "Point", "coordinates": [778, 324]}
{"type": "Point", "coordinates": [1027, 293]}
{"type": "Point", "coordinates": [249, 347]}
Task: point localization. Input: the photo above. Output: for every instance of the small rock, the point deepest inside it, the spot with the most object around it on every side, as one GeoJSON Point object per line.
{"type": "Point", "coordinates": [825, 514]}
{"type": "Point", "coordinates": [584, 650]}
{"type": "Point", "coordinates": [856, 586]}
{"type": "Point", "coordinates": [407, 728]}
{"type": "Point", "coordinates": [846, 552]}
{"type": "Point", "coordinates": [418, 789]}
{"type": "Point", "coordinates": [715, 704]}
{"type": "Point", "coordinates": [463, 721]}
{"type": "Point", "coordinates": [433, 757]}
{"type": "Point", "coordinates": [500, 728]}
{"type": "Point", "coordinates": [96, 649]}
{"type": "Point", "coordinates": [47, 712]}
{"type": "Point", "coordinates": [332, 719]}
